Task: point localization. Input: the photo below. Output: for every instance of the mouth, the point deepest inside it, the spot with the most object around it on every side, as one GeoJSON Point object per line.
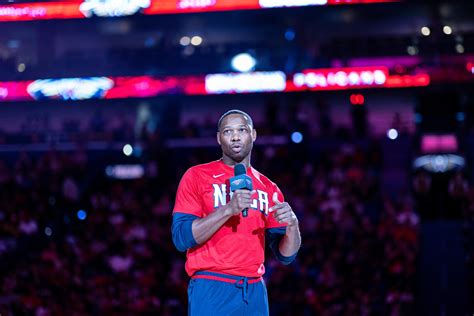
{"type": "Point", "coordinates": [236, 148]}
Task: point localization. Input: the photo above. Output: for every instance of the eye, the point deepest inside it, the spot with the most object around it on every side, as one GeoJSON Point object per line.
{"type": "Point", "coordinates": [226, 132]}
{"type": "Point", "coordinates": [243, 130]}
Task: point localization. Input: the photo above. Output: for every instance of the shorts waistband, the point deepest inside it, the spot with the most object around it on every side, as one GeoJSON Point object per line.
{"type": "Point", "coordinates": [225, 277]}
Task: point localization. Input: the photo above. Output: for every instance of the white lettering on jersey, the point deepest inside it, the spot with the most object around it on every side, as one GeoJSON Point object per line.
{"type": "Point", "coordinates": [263, 199]}
{"type": "Point", "coordinates": [261, 203]}
{"type": "Point", "coordinates": [254, 204]}
{"type": "Point", "coordinates": [219, 194]}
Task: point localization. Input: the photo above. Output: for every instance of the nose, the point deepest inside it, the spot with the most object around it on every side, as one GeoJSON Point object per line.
{"type": "Point", "coordinates": [235, 136]}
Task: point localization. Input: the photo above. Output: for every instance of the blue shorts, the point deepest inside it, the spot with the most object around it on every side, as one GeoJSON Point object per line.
{"type": "Point", "coordinates": [211, 293]}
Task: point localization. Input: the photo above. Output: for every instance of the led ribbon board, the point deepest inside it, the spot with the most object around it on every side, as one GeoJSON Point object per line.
{"type": "Point", "coordinates": [226, 83]}
{"type": "Point", "coordinates": [80, 9]}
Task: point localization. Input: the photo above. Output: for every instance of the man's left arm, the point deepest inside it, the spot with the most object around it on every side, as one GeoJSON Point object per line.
{"type": "Point", "coordinates": [283, 214]}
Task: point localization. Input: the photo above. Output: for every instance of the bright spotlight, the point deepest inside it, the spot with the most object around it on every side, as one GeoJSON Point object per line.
{"type": "Point", "coordinates": [127, 150]}
{"type": "Point", "coordinates": [243, 62]}
{"type": "Point", "coordinates": [447, 30]}
{"type": "Point", "coordinates": [392, 134]}
{"type": "Point", "coordinates": [425, 31]}
{"type": "Point", "coordinates": [184, 41]}
{"type": "Point", "coordinates": [196, 40]}
{"type": "Point", "coordinates": [296, 137]}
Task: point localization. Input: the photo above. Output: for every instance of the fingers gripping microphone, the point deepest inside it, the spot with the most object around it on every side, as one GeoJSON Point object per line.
{"type": "Point", "coordinates": [241, 181]}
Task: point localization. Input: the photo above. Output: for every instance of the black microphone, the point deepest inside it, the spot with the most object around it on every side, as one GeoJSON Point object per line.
{"type": "Point", "coordinates": [241, 181]}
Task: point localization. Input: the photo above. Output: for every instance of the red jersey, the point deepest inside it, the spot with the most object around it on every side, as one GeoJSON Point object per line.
{"type": "Point", "coordinates": [237, 247]}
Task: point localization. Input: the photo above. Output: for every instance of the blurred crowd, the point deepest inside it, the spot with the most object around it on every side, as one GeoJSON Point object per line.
{"type": "Point", "coordinates": [468, 231]}
{"type": "Point", "coordinates": [73, 240]}
{"type": "Point", "coordinates": [359, 245]}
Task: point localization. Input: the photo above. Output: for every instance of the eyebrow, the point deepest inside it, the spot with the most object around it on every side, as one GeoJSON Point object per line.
{"type": "Point", "coordinates": [229, 126]}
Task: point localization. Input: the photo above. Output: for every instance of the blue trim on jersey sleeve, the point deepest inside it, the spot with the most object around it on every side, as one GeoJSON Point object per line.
{"type": "Point", "coordinates": [182, 232]}
{"type": "Point", "coordinates": [274, 236]}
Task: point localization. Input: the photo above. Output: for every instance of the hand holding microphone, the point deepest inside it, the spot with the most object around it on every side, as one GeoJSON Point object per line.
{"type": "Point", "coordinates": [241, 186]}
{"type": "Point", "coordinates": [241, 201]}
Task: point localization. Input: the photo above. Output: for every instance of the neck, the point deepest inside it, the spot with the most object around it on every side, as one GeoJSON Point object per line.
{"type": "Point", "coordinates": [231, 162]}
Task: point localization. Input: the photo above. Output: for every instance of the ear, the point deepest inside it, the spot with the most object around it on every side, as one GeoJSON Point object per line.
{"type": "Point", "coordinates": [218, 139]}
{"type": "Point", "coordinates": [254, 134]}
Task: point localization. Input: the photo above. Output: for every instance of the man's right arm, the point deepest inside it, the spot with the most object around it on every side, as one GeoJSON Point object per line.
{"type": "Point", "coordinates": [192, 231]}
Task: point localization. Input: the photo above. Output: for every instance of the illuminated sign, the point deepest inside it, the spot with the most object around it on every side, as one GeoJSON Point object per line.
{"type": "Point", "coordinates": [358, 1]}
{"type": "Point", "coordinates": [439, 163]}
{"type": "Point", "coordinates": [70, 88]}
{"type": "Point", "coordinates": [470, 67]}
{"type": "Point", "coordinates": [27, 12]}
{"type": "Point", "coordinates": [246, 82]}
{"type": "Point", "coordinates": [40, 10]}
{"type": "Point", "coordinates": [188, 4]}
{"type": "Point", "coordinates": [77, 9]}
{"type": "Point", "coordinates": [343, 78]}
{"type": "Point", "coordinates": [290, 3]}
{"type": "Point", "coordinates": [3, 92]}
{"type": "Point", "coordinates": [225, 83]}
{"type": "Point", "coordinates": [439, 143]}
{"type": "Point", "coordinates": [419, 80]}
{"type": "Point", "coordinates": [113, 7]}
{"type": "Point", "coordinates": [125, 172]}
{"type": "Point", "coordinates": [357, 99]}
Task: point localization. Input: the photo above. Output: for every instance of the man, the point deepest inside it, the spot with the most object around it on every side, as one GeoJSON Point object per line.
{"type": "Point", "coordinates": [225, 250]}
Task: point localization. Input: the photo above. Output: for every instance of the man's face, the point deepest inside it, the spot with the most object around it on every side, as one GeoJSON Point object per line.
{"type": "Point", "coordinates": [236, 137]}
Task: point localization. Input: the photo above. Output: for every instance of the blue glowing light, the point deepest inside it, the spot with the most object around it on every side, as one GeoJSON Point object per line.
{"type": "Point", "coordinates": [297, 137]}
{"type": "Point", "coordinates": [81, 214]}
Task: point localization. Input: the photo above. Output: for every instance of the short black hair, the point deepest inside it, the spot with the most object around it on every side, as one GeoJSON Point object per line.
{"type": "Point", "coordinates": [235, 111]}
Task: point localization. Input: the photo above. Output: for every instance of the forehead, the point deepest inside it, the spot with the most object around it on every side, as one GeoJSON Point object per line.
{"type": "Point", "coordinates": [234, 119]}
